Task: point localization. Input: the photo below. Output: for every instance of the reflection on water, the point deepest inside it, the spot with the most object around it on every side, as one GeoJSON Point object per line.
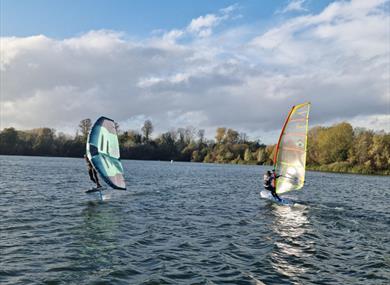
{"type": "Point", "coordinates": [289, 226]}
{"type": "Point", "coordinates": [96, 240]}
{"type": "Point", "coordinates": [100, 221]}
{"type": "Point", "coordinates": [188, 223]}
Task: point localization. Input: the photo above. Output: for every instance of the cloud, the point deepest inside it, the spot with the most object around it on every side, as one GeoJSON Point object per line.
{"type": "Point", "coordinates": [234, 77]}
{"type": "Point", "coordinates": [293, 6]}
{"type": "Point", "coordinates": [203, 26]}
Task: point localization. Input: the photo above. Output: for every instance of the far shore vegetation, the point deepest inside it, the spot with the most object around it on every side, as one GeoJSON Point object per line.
{"type": "Point", "coordinates": [338, 148]}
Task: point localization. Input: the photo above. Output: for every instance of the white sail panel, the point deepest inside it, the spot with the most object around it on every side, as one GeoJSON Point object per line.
{"type": "Point", "coordinates": [290, 153]}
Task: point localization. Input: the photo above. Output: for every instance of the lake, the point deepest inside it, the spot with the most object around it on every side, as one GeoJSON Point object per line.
{"type": "Point", "coordinates": [188, 223]}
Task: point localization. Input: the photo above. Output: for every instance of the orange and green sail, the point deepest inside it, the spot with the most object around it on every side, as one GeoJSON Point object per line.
{"type": "Point", "coordinates": [290, 152]}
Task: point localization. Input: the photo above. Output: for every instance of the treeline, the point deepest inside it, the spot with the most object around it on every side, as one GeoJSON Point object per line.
{"type": "Point", "coordinates": [338, 148]}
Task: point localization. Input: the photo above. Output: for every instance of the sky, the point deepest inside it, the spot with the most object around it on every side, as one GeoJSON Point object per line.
{"type": "Point", "coordinates": [204, 64]}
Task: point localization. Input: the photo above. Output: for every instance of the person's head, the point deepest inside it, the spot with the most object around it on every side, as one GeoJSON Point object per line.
{"type": "Point", "coordinates": [269, 173]}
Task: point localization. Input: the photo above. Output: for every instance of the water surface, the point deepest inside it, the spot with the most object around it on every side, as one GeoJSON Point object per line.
{"type": "Point", "coordinates": [188, 223]}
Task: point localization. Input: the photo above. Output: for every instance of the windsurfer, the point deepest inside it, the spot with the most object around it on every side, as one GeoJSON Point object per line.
{"type": "Point", "coordinates": [269, 183]}
{"type": "Point", "coordinates": [92, 172]}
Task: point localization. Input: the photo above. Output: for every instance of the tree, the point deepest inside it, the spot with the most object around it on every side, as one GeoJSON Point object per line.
{"type": "Point", "coordinates": [220, 135]}
{"type": "Point", "coordinates": [231, 136]}
{"type": "Point", "coordinates": [182, 134]}
{"type": "Point", "coordinates": [248, 155]}
{"type": "Point", "coordinates": [201, 136]}
{"type": "Point", "coordinates": [380, 151]}
{"type": "Point", "coordinates": [60, 143]}
{"type": "Point", "coordinates": [167, 139]}
{"type": "Point", "coordinates": [312, 145]}
{"type": "Point", "coordinates": [359, 152]}
{"type": "Point", "coordinates": [8, 141]}
{"type": "Point", "coordinates": [261, 155]}
{"type": "Point", "coordinates": [243, 138]}
{"type": "Point", "coordinates": [195, 156]}
{"type": "Point", "coordinates": [334, 143]}
{"type": "Point", "coordinates": [189, 134]}
{"type": "Point", "coordinates": [44, 144]}
{"type": "Point", "coordinates": [117, 127]}
{"type": "Point", "coordinates": [270, 151]}
{"type": "Point", "coordinates": [336, 148]}
{"type": "Point", "coordinates": [85, 127]}
{"type": "Point", "coordinates": [166, 146]}
{"type": "Point", "coordinates": [147, 129]}
{"type": "Point", "coordinates": [134, 137]}
{"type": "Point", "coordinates": [228, 156]}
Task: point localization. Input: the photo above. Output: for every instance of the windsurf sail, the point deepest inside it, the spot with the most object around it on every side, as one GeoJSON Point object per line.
{"type": "Point", "coordinates": [290, 152]}
{"type": "Point", "coordinates": [103, 152]}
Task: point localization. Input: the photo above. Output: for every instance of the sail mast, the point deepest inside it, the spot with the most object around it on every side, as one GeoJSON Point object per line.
{"type": "Point", "coordinates": [281, 134]}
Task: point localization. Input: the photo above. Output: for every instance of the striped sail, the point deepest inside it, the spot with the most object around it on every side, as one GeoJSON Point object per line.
{"type": "Point", "coordinates": [103, 152]}
{"type": "Point", "coordinates": [290, 153]}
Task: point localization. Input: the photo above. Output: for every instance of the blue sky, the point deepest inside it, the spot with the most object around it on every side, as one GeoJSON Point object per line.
{"type": "Point", "coordinates": [208, 64]}
{"type": "Point", "coordinates": [138, 18]}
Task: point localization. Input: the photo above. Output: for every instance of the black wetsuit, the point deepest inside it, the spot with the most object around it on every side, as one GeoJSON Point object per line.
{"type": "Point", "coordinates": [268, 186]}
{"type": "Point", "coordinates": [93, 174]}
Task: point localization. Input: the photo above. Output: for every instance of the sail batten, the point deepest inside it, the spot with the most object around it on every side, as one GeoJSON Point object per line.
{"type": "Point", "coordinates": [103, 152]}
{"type": "Point", "coordinates": [290, 152]}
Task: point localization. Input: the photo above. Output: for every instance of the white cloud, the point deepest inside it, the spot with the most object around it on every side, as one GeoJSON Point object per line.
{"type": "Point", "coordinates": [172, 36]}
{"type": "Point", "coordinates": [294, 6]}
{"type": "Point", "coordinates": [202, 26]}
{"type": "Point", "coordinates": [338, 59]}
{"type": "Point", "coordinates": [203, 23]}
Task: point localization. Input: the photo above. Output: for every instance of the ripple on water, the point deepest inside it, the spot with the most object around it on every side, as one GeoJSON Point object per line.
{"type": "Point", "coordinates": [188, 223]}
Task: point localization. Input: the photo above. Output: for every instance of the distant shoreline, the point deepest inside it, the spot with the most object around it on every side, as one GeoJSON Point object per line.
{"type": "Point", "coordinates": [339, 148]}
{"type": "Point", "coordinates": [308, 168]}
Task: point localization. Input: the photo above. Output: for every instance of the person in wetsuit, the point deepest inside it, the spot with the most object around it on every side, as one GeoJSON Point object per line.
{"type": "Point", "coordinates": [269, 183]}
{"type": "Point", "coordinates": [92, 172]}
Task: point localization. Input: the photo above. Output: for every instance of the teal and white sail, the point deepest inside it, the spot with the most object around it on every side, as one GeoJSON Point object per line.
{"type": "Point", "coordinates": [103, 152]}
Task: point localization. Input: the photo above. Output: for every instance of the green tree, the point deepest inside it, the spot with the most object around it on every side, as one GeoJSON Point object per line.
{"type": "Point", "coordinates": [44, 143]}
{"type": "Point", "coordinates": [334, 143]}
{"type": "Point", "coordinates": [380, 151]}
{"type": "Point", "coordinates": [208, 157]}
{"type": "Point", "coordinates": [8, 141]}
{"type": "Point", "coordinates": [313, 152]}
{"type": "Point", "coordinates": [195, 156]}
{"type": "Point", "coordinates": [359, 152]}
